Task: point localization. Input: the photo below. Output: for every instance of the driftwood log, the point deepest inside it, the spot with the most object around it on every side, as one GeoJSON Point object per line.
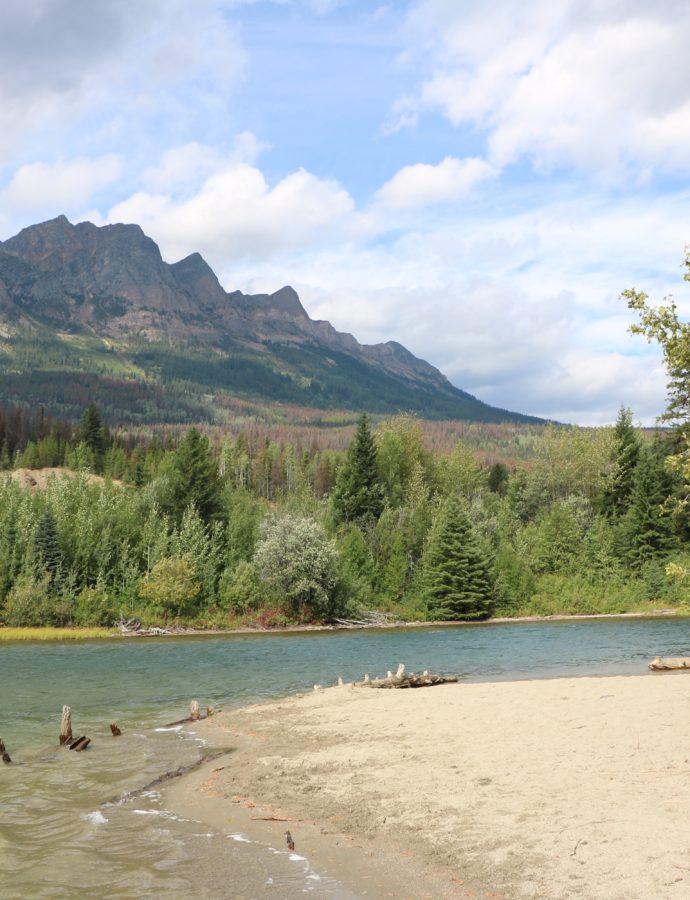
{"type": "Point", "coordinates": [401, 679]}
{"type": "Point", "coordinates": [115, 730]}
{"type": "Point", "coordinates": [81, 743]}
{"type": "Point", "coordinates": [669, 663]}
{"type": "Point", "coordinates": [4, 755]}
{"type": "Point", "coordinates": [66, 726]}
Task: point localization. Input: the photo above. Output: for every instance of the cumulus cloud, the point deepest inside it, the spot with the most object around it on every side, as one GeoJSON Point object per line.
{"type": "Point", "coordinates": [50, 188]}
{"type": "Point", "coordinates": [601, 87]}
{"type": "Point", "coordinates": [424, 185]}
{"type": "Point", "coordinates": [234, 213]}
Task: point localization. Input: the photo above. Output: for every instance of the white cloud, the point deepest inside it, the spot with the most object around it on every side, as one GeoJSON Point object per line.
{"type": "Point", "coordinates": [52, 188]}
{"type": "Point", "coordinates": [601, 87]}
{"type": "Point", "coordinates": [235, 213]}
{"type": "Point", "coordinates": [63, 63]}
{"type": "Point", "coordinates": [424, 185]}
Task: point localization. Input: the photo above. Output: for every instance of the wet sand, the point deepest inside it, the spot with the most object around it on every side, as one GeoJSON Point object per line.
{"type": "Point", "coordinates": [563, 788]}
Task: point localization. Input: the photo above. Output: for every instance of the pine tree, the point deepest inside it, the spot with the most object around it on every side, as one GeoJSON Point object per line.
{"type": "Point", "coordinates": [456, 574]}
{"type": "Point", "coordinates": [625, 456]}
{"type": "Point", "coordinates": [47, 545]}
{"type": "Point", "coordinates": [358, 493]}
{"type": "Point", "coordinates": [92, 431]}
{"type": "Point", "coordinates": [646, 528]}
{"type": "Point", "coordinates": [194, 477]}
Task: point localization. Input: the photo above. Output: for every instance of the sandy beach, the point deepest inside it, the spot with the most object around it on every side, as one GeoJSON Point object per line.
{"type": "Point", "coordinates": [557, 788]}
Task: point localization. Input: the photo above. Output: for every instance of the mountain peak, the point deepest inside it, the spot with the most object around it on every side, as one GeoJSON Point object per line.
{"type": "Point", "coordinates": [148, 322]}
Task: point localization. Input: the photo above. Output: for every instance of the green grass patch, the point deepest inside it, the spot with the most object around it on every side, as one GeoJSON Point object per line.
{"type": "Point", "coordinates": [54, 634]}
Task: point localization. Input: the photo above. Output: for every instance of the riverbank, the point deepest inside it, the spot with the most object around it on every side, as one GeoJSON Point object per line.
{"type": "Point", "coordinates": [49, 633]}
{"type": "Point", "coordinates": [559, 788]}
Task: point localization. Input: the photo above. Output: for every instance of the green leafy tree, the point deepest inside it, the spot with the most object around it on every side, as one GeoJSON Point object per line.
{"type": "Point", "coordinates": [171, 586]}
{"type": "Point", "coordinates": [299, 564]}
{"type": "Point", "coordinates": [358, 492]}
{"type": "Point", "coordinates": [661, 324]}
{"type": "Point", "coordinates": [456, 573]}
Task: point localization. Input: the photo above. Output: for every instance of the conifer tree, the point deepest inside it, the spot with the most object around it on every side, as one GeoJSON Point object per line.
{"type": "Point", "coordinates": [194, 477]}
{"type": "Point", "coordinates": [358, 493]}
{"type": "Point", "coordinates": [625, 456]}
{"type": "Point", "coordinates": [456, 575]}
{"type": "Point", "coordinates": [646, 528]}
{"type": "Point", "coordinates": [92, 431]}
{"type": "Point", "coordinates": [47, 545]}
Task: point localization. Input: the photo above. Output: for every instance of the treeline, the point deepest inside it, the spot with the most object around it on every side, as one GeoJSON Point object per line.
{"type": "Point", "coordinates": [249, 530]}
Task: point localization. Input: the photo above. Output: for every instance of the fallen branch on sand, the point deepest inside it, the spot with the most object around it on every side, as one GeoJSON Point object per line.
{"type": "Point", "coordinates": [669, 663]}
{"type": "Point", "coordinates": [402, 680]}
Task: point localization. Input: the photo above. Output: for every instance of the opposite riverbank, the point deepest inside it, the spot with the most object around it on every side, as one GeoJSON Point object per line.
{"type": "Point", "coordinates": [49, 633]}
{"type": "Point", "coordinates": [559, 788]}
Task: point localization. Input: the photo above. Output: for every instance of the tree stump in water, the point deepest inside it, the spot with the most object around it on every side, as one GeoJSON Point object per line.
{"type": "Point", "coordinates": [66, 726]}
{"type": "Point", "coordinates": [194, 710]}
{"type": "Point", "coordinates": [80, 744]}
{"type": "Point", "coordinates": [115, 730]}
{"type": "Point", "coordinates": [4, 755]}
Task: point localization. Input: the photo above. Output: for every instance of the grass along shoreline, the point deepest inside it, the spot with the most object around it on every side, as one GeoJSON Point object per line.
{"type": "Point", "coordinates": [51, 633]}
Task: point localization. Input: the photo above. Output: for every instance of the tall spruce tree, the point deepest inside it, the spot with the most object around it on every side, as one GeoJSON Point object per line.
{"type": "Point", "coordinates": [358, 493]}
{"type": "Point", "coordinates": [194, 477]}
{"type": "Point", "coordinates": [648, 530]}
{"type": "Point", "coordinates": [625, 456]}
{"type": "Point", "coordinates": [48, 553]}
{"type": "Point", "coordinates": [456, 573]}
{"type": "Point", "coordinates": [93, 433]}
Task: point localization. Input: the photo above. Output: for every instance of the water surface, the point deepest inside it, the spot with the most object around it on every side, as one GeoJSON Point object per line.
{"type": "Point", "coordinates": [60, 834]}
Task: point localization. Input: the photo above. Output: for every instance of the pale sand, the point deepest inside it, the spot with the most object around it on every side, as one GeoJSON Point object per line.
{"type": "Point", "coordinates": [561, 788]}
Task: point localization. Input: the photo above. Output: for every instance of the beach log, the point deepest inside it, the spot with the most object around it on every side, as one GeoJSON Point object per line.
{"type": "Point", "coordinates": [66, 726]}
{"type": "Point", "coordinates": [115, 730]}
{"type": "Point", "coordinates": [81, 743]}
{"type": "Point", "coordinates": [408, 681]}
{"type": "Point", "coordinates": [669, 663]}
{"type": "Point", "coordinates": [4, 755]}
{"type": "Point", "coordinates": [194, 710]}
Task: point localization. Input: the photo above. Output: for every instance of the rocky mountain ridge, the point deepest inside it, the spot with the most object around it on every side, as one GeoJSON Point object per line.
{"type": "Point", "coordinates": [85, 283]}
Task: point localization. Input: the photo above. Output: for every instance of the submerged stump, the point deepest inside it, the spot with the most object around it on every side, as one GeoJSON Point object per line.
{"type": "Point", "coordinates": [4, 755]}
{"type": "Point", "coordinates": [66, 726]}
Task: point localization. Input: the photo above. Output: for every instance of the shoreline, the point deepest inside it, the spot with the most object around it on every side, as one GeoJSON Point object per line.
{"type": "Point", "coordinates": [51, 633]}
{"type": "Point", "coordinates": [563, 788]}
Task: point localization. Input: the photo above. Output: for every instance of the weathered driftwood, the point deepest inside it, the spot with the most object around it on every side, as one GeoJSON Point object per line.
{"type": "Point", "coordinates": [403, 680]}
{"type": "Point", "coordinates": [210, 711]}
{"type": "Point", "coordinates": [669, 663]}
{"type": "Point", "coordinates": [194, 713]}
{"type": "Point", "coordinates": [166, 776]}
{"type": "Point", "coordinates": [81, 743]}
{"type": "Point", "coordinates": [115, 729]}
{"type": "Point", "coordinates": [4, 755]}
{"type": "Point", "coordinates": [66, 726]}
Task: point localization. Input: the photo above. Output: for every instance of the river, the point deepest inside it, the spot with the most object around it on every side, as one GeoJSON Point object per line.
{"type": "Point", "coordinates": [65, 830]}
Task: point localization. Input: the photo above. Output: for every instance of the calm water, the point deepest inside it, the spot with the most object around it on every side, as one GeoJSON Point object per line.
{"type": "Point", "coordinates": [61, 837]}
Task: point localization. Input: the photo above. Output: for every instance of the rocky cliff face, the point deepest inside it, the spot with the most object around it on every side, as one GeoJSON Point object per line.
{"type": "Point", "coordinates": [75, 284]}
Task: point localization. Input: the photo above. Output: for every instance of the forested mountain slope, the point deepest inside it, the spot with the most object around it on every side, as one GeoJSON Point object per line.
{"type": "Point", "coordinates": [89, 313]}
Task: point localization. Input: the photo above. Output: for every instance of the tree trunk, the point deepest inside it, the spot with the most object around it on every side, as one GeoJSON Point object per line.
{"type": "Point", "coordinates": [66, 726]}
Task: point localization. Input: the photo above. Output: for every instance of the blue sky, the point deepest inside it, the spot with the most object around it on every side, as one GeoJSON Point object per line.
{"type": "Point", "coordinates": [476, 181]}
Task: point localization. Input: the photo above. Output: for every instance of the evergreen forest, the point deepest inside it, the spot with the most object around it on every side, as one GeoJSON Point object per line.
{"type": "Point", "coordinates": [392, 519]}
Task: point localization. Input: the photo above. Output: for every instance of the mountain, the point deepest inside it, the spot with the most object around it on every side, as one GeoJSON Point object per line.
{"type": "Point", "coordinates": [91, 312]}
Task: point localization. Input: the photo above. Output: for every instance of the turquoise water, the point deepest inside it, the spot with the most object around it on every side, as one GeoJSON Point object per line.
{"type": "Point", "coordinates": [56, 821]}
